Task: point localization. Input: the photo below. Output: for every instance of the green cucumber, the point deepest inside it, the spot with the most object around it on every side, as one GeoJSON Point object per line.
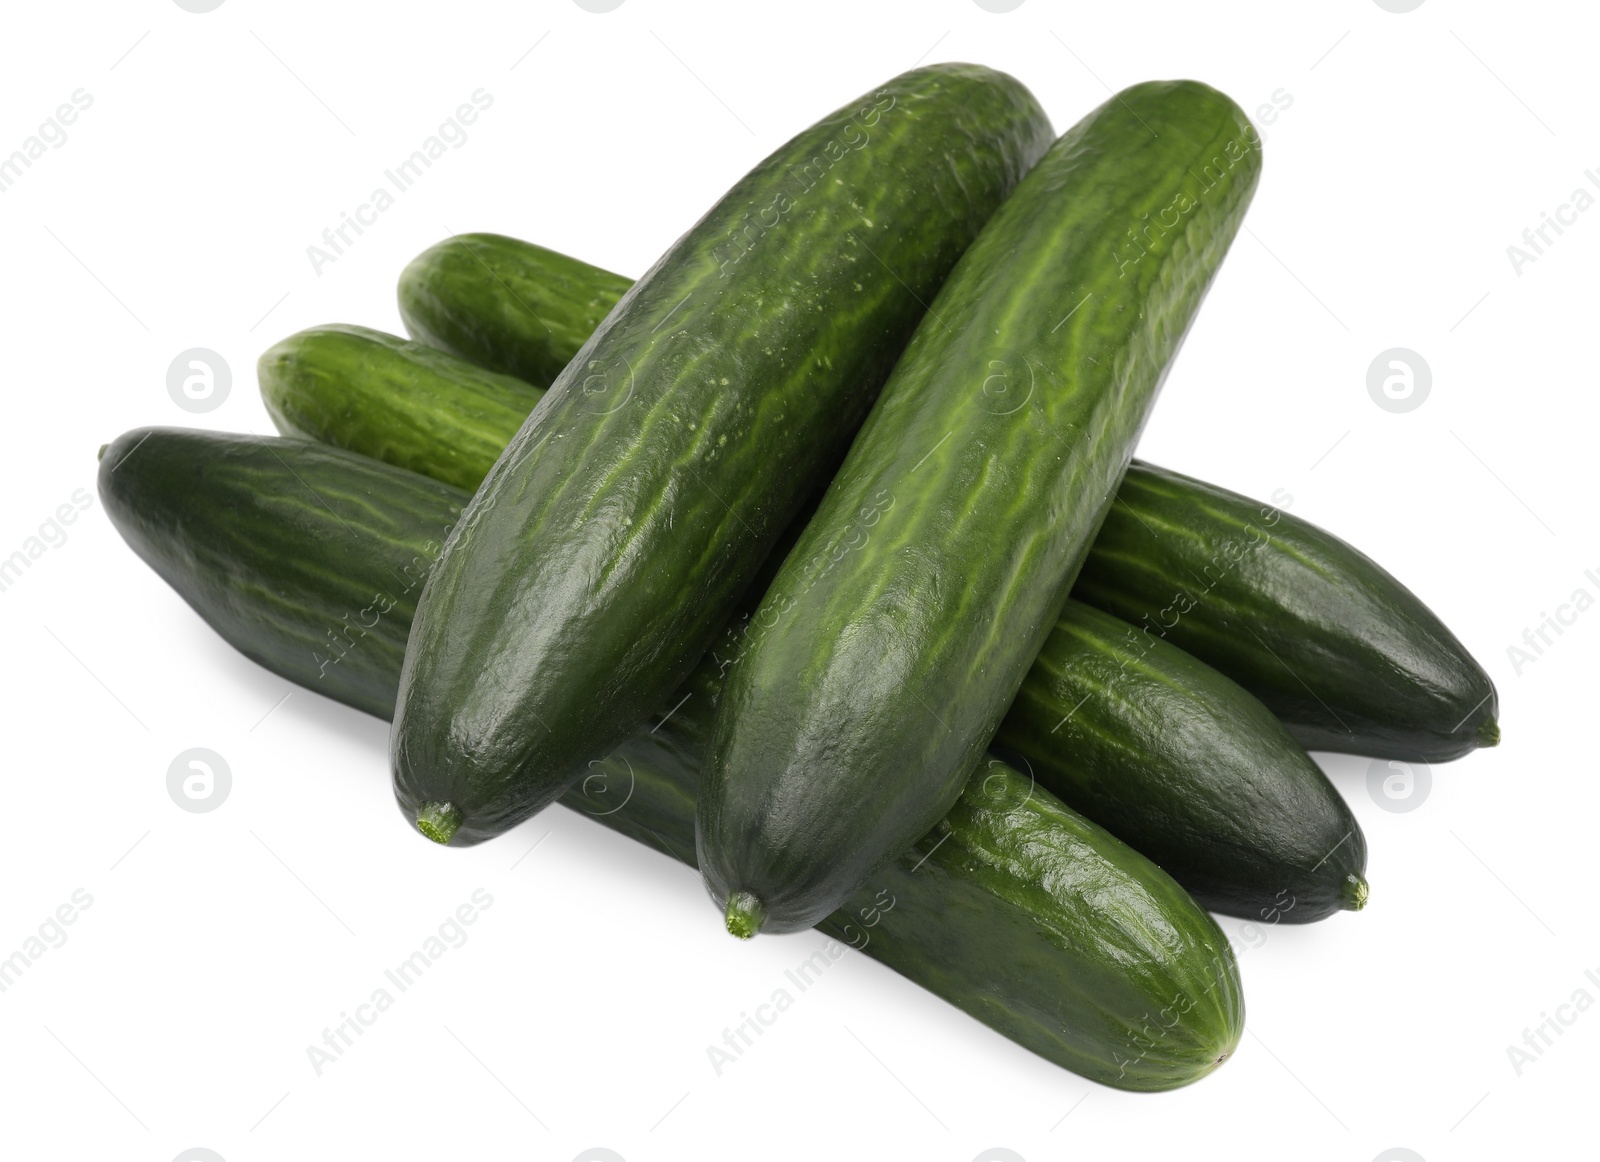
{"type": "Point", "coordinates": [402, 402]}
{"type": "Point", "coordinates": [1333, 644]}
{"type": "Point", "coordinates": [1172, 757]}
{"type": "Point", "coordinates": [1013, 908]}
{"type": "Point", "coordinates": [906, 617]}
{"type": "Point", "coordinates": [506, 305]}
{"type": "Point", "coordinates": [612, 539]}
{"type": "Point", "coordinates": [259, 545]}
{"type": "Point", "coordinates": [1389, 679]}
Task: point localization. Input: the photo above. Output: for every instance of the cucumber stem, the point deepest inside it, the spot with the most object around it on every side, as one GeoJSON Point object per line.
{"type": "Point", "coordinates": [745, 915]}
{"type": "Point", "coordinates": [1353, 892]}
{"type": "Point", "coordinates": [1489, 733]}
{"type": "Point", "coordinates": [439, 821]}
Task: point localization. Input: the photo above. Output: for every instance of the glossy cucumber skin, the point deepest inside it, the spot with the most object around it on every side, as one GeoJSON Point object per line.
{"type": "Point", "coordinates": [611, 540]}
{"type": "Point", "coordinates": [400, 401]}
{"type": "Point", "coordinates": [904, 620]}
{"type": "Point", "coordinates": [507, 305]}
{"type": "Point", "coordinates": [1176, 760]}
{"type": "Point", "coordinates": [1014, 909]}
{"type": "Point", "coordinates": [261, 551]}
{"type": "Point", "coordinates": [1172, 757]}
{"type": "Point", "coordinates": [1348, 657]}
{"type": "Point", "coordinates": [1391, 680]}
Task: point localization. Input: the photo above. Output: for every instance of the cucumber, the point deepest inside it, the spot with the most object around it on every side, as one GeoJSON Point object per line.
{"type": "Point", "coordinates": [611, 540]}
{"type": "Point", "coordinates": [1348, 657]}
{"type": "Point", "coordinates": [903, 622]}
{"type": "Point", "coordinates": [506, 305]}
{"type": "Point", "coordinates": [1013, 908]}
{"type": "Point", "coordinates": [402, 402]}
{"type": "Point", "coordinates": [255, 533]}
{"type": "Point", "coordinates": [1172, 757]}
{"type": "Point", "coordinates": [1389, 679]}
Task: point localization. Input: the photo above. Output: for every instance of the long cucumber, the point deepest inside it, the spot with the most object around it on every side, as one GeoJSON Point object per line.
{"type": "Point", "coordinates": [907, 615]}
{"type": "Point", "coordinates": [506, 305]}
{"type": "Point", "coordinates": [1348, 657]}
{"type": "Point", "coordinates": [1013, 908]}
{"type": "Point", "coordinates": [612, 538]}
{"type": "Point", "coordinates": [385, 396]}
{"type": "Point", "coordinates": [1354, 662]}
{"type": "Point", "coordinates": [1182, 763]}
{"type": "Point", "coordinates": [1172, 757]}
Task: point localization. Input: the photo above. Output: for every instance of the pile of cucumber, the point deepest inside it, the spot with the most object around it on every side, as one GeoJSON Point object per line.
{"type": "Point", "coordinates": [816, 559]}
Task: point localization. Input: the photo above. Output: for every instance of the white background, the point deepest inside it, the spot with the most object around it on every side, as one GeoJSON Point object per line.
{"type": "Point", "coordinates": [218, 946]}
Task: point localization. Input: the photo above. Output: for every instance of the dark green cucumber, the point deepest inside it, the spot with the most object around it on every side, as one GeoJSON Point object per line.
{"type": "Point", "coordinates": [1347, 656]}
{"type": "Point", "coordinates": [1175, 759]}
{"type": "Point", "coordinates": [1390, 680]}
{"type": "Point", "coordinates": [610, 542]}
{"type": "Point", "coordinates": [1013, 908]}
{"type": "Point", "coordinates": [257, 534]}
{"type": "Point", "coordinates": [506, 305]}
{"type": "Point", "coordinates": [904, 620]}
{"type": "Point", "coordinates": [403, 402]}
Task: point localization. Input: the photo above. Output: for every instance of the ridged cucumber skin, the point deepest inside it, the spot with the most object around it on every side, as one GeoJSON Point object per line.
{"type": "Point", "coordinates": [609, 543]}
{"type": "Point", "coordinates": [1176, 760]}
{"type": "Point", "coordinates": [1172, 757]}
{"type": "Point", "coordinates": [1424, 698]}
{"type": "Point", "coordinates": [1014, 908]}
{"type": "Point", "coordinates": [904, 620]}
{"type": "Point", "coordinates": [1348, 657]}
{"type": "Point", "coordinates": [400, 401]}
{"type": "Point", "coordinates": [507, 305]}
{"type": "Point", "coordinates": [263, 551]}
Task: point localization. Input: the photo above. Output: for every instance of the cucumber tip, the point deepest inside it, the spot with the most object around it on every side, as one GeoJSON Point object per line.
{"type": "Point", "coordinates": [1489, 733]}
{"type": "Point", "coordinates": [745, 915]}
{"type": "Point", "coordinates": [439, 821]}
{"type": "Point", "coordinates": [1353, 892]}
